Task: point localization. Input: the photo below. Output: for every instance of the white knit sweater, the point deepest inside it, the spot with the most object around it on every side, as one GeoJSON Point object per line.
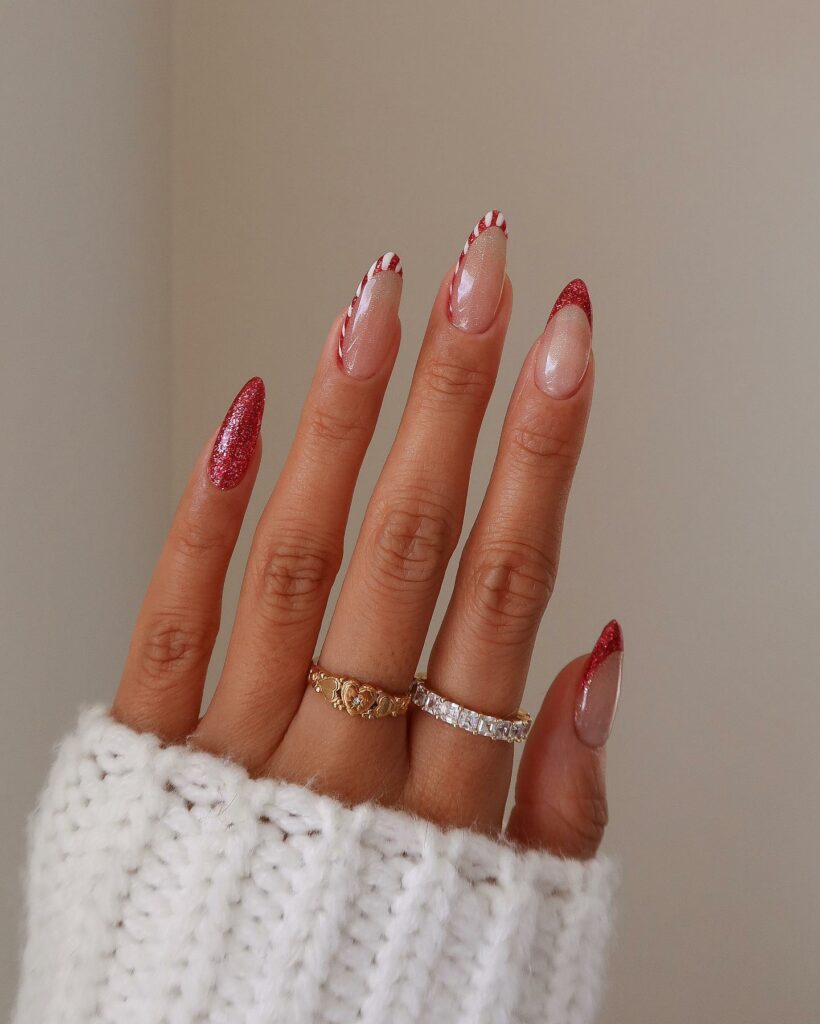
{"type": "Point", "coordinates": [165, 885]}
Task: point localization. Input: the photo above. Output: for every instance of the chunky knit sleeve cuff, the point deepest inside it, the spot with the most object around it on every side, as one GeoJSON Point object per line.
{"type": "Point", "coordinates": [166, 885]}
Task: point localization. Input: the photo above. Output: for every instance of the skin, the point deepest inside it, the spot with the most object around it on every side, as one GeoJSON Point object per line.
{"type": "Point", "coordinates": [263, 715]}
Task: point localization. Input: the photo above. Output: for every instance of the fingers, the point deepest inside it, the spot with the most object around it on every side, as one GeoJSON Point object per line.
{"type": "Point", "coordinates": [161, 686]}
{"type": "Point", "coordinates": [507, 571]}
{"type": "Point", "coordinates": [297, 547]}
{"type": "Point", "coordinates": [560, 797]}
{"type": "Point", "coordinates": [414, 518]}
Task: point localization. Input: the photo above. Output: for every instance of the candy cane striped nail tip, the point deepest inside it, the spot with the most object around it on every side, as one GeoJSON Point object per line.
{"type": "Point", "coordinates": [491, 219]}
{"type": "Point", "coordinates": [388, 261]}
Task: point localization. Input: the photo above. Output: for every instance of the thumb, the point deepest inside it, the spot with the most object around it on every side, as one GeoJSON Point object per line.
{"type": "Point", "coordinates": [560, 794]}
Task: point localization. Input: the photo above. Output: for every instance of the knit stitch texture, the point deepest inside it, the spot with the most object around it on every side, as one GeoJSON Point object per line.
{"type": "Point", "coordinates": [165, 886]}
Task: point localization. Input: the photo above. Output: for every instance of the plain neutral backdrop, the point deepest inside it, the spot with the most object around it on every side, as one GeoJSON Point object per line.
{"type": "Point", "coordinates": [190, 192]}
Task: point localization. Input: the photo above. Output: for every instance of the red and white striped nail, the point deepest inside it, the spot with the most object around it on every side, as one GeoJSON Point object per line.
{"type": "Point", "coordinates": [370, 325]}
{"type": "Point", "coordinates": [478, 277]}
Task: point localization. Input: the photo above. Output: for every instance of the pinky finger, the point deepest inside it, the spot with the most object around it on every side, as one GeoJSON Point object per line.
{"type": "Point", "coordinates": [161, 686]}
{"type": "Point", "coordinates": [560, 795]}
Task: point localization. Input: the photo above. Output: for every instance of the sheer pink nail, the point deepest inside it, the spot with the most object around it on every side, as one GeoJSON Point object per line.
{"type": "Point", "coordinates": [563, 351]}
{"type": "Point", "coordinates": [368, 330]}
{"type": "Point", "coordinates": [478, 278]}
{"type": "Point", "coordinates": [236, 441]}
{"type": "Point", "coordinates": [598, 697]}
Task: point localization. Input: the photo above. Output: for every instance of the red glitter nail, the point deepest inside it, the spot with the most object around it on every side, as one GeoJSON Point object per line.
{"type": "Point", "coordinates": [575, 294]}
{"type": "Point", "coordinates": [237, 437]}
{"type": "Point", "coordinates": [609, 642]}
{"type": "Point", "coordinates": [600, 688]}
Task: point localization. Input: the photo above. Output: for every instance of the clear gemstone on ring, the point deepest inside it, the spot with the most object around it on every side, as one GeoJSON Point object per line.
{"type": "Point", "coordinates": [508, 730]}
{"type": "Point", "coordinates": [469, 720]}
{"type": "Point", "coordinates": [502, 729]}
{"type": "Point", "coordinates": [450, 712]}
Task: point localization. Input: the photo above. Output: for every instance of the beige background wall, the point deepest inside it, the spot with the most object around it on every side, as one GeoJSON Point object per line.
{"type": "Point", "coordinates": [85, 391]}
{"type": "Point", "coordinates": [668, 153]}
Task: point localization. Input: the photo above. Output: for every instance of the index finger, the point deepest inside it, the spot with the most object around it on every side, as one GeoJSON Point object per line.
{"type": "Point", "coordinates": [164, 675]}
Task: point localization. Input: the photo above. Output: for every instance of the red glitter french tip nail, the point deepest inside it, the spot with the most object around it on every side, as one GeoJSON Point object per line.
{"type": "Point", "coordinates": [611, 641]}
{"type": "Point", "coordinates": [600, 688]}
{"type": "Point", "coordinates": [237, 437]}
{"type": "Point", "coordinates": [575, 294]}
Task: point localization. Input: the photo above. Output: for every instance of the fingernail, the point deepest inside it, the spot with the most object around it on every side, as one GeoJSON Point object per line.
{"type": "Point", "coordinates": [478, 278]}
{"type": "Point", "coordinates": [598, 698]}
{"type": "Point", "coordinates": [369, 328]}
{"type": "Point", "coordinates": [563, 351]}
{"type": "Point", "coordinates": [236, 441]}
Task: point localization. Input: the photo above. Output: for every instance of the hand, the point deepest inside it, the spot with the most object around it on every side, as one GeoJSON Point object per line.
{"type": "Point", "coordinates": [263, 714]}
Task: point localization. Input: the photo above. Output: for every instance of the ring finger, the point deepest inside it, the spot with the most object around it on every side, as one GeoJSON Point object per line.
{"type": "Point", "coordinates": [507, 571]}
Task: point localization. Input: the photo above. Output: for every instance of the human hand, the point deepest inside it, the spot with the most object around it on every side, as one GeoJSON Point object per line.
{"type": "Point", "coordinates": [263, 713]}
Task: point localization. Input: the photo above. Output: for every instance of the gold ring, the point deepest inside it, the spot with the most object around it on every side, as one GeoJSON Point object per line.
{"type": "Point", "coordinates": [361, 700]}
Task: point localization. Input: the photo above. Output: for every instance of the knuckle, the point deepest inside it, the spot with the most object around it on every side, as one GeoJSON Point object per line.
{"type": "Point", "coordinates": [509, 591]}
{"type": "Point", "coordinates": [578, 830]}
{"type": "Point", "coordinates": [171, 648]}
{"type": "Point", "coordinates": [543, 445]}
{"type": "Point", "coordinates": [443, 378]}
{"type": "Point", "coordinates": [194, 538]}
{"type": "Point", "coordinates": [581, 818]}
{"type": "Point", "coordinates": [293, 576]}
{"type": "Point", "coordinates": [412, 542]}
{"type": "Point", "coordinates": [588, 821]}
{"type": "Point", "coordinates": [595, 813]}
{"type": "Point", "coordinates": [335, 428]}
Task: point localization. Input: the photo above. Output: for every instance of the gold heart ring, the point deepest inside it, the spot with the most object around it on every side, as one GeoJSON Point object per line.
{"type": "Point", "coordinates": [358, 699]}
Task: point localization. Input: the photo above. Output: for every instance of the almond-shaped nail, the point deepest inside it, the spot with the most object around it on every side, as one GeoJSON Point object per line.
{"type": "Point", "coordinates": [478, 278]}
{"type": "Point", "coordinates": [563, 350]}
{"type": "Point", "coordinates": [368, 331]}
{"type": "Point", "coordinates": [236, 441]}
{"type": "Point", "coordinates": [600, 686]}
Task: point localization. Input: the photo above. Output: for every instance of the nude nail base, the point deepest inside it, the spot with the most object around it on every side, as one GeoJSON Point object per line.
{"type": "Point", "coordinates": [478, 276]}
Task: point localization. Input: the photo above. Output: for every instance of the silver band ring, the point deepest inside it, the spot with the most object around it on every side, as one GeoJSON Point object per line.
{"type": "Point", "coordinates": [507, 730]}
